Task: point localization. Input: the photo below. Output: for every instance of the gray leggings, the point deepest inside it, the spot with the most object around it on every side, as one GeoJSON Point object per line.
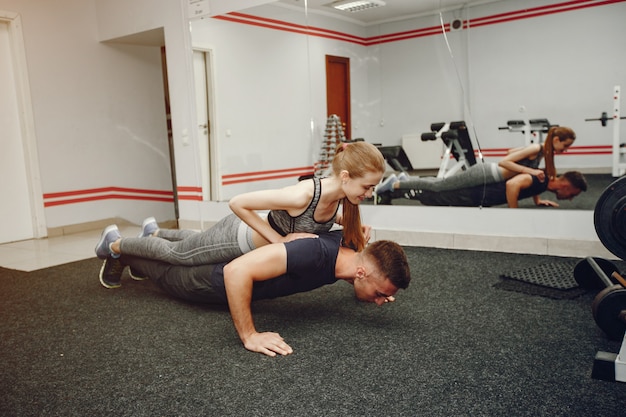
{"type": "Point", "coordinates": [190, 283]}
{"type": "Point", "coordinates": [477, 174]}
{"type": "Point", "coordinates": [226, 240]}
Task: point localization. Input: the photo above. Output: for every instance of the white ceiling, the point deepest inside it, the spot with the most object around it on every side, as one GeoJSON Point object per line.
{"type": "Point", "coordinates": [392, 11]}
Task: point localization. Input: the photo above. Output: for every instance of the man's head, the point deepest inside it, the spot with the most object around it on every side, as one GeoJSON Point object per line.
{"type": "Point", "coordinates": [568, 185]}
{"type": "Point", "coordinates": [384, 270]}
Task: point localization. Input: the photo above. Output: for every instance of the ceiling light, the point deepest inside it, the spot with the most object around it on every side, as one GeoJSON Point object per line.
{"type": "Point", "coordinates": [357, 5]}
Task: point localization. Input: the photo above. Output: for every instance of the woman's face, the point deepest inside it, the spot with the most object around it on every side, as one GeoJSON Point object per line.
{"type": "Point", "coordinates": [358, 189]}
{"type": "Point", "coordinates": [561, 146]}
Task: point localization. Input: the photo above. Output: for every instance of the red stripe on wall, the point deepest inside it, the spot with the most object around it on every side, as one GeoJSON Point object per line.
{"type": "Point", "coordinates": [304, 28]}
{"type": "Point", "coordinates": [189, 189]}
{"type": "Point", "coordinates": [189, 193]}
{"type": "Point", "coordinates": [275, 171]}
{"type": "Point", "coordinates": [106, 197]}
{"type": "Point", "coordinates": [267, 177]}
{"type": "Point", "coordinates": [606, 147]}
{"type": "Point", "coordinates": [104, 190]}
{"type": "Point", "coordinates": [539, 11]}
{"type": "Point", "coordinates": [106, 193]}
{"type": "Point", "coordinates": [289, 27]}
{"type": "Point", "coordinates": [412, 34]}
{"type": "Point", "coordinates": [190, 197]}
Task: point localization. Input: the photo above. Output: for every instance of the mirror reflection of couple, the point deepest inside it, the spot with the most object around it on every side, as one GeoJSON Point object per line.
{"type": "Point", "coordinates": [517, 176]}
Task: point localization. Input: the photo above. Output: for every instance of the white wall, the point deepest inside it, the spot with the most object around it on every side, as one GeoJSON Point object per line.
{"type": "Point", "coordinates": [262, 121]}
{"type": "Point", "coordinates": [98, 111]}
{"type": "Point", "coordinates": [119, 18]}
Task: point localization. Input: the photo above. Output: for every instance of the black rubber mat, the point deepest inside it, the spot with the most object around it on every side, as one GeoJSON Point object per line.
{"type": "Point", "coordinates": [559, 275]}
{"type": "Point", "coordinates": [553, 280]}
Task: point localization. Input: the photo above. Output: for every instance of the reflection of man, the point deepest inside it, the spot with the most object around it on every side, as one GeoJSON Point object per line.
{"type": "Point", "coordinates": [278, 270]}
{"type": "Point", "coordinates": [565, 187]}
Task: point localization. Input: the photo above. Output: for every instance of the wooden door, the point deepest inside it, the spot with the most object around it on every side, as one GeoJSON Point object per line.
{"type": "Point", "coordinates": [338, 90]}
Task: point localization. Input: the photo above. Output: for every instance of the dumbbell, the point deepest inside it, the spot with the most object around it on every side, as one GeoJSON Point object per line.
{"type": "Point", "coordinates": [609, 305]}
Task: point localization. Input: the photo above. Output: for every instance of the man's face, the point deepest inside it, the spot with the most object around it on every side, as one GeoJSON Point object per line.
{"type": "Point", "coordinates": [567, 192]}
{"type": "Point", "coordinates": [373, 288]}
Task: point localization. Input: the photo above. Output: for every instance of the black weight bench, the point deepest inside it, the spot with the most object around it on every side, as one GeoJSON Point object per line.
{"type": "Point", "coordinates": [458, 145]}
{"type": "Point", "coordinates": [396, 158]}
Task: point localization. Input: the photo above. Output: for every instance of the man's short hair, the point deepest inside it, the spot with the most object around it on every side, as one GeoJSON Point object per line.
{"type": "Point", "coordinates": [391, 261]}
{"type": "Point", "coordinates": [577, 179]}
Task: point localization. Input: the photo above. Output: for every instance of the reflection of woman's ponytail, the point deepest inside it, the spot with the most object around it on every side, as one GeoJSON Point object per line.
{"type": "Point", "coordinates": [563, 133]}
{"type": "Point", "coordinates": [358, 159]}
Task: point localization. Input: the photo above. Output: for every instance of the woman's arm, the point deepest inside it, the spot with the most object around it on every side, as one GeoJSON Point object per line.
{"type": "Point", "coordinates": [294, 199]}
{"type": "Point", "coordinates": [512, 168]}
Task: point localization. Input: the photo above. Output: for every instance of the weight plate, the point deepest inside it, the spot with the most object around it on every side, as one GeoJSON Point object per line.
{"type": "Point", "coordinates": [609, 218]}
{"type": "Point", "coordinates": [586, 276]}
{"type": "Point", "coordinates": [606, 308]}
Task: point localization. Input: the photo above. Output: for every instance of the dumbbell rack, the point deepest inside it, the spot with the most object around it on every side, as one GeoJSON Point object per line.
{"type": "Point", "coordinates": [333, 137]}
{"type": "Point", "coordinates": [450, 134]}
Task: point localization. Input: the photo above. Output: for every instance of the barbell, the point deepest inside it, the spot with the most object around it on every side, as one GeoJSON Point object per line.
{"type": "Point", "coordinates": [604, 117]}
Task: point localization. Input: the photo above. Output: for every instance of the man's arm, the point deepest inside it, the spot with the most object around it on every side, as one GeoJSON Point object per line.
{"type": "Point", "coordinates": [240, 274]}
{"type": "Point", "coordinates": [514, 186]}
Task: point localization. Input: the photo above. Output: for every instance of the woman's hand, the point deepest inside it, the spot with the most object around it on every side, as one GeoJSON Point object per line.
{"type": "Point", "coordinates": [367, 232]}
{"type": "Point", "coordinates": [539, 173]}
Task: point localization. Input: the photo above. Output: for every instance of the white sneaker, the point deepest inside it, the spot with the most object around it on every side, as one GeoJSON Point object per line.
{"type": "Point", "coordinates": [148, 227]}
{"type": "Point", "coordinates": [386, 185]}
{"type": "Point", "coordinates": [109, 235]}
